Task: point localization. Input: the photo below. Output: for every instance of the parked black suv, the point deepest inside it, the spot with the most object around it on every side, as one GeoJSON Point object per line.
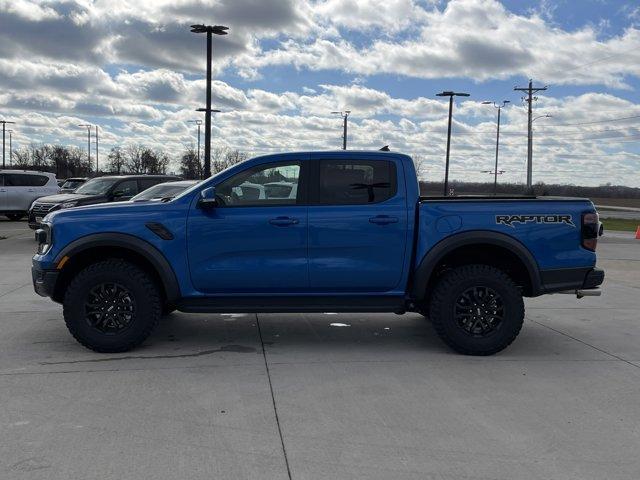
{"type": "Point", "coordinates": [96, 190]}
{"type": "Point", "coordinates": [71, 184]}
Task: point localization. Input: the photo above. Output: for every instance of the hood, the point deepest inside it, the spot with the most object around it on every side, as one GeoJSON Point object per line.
{"type": "Point", "coordinates": [66, 197]}
{"type": "Point", "coordinates": [103, 209]}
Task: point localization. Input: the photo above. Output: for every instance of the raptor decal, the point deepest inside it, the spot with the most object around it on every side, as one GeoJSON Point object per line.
{"type": "Point", "coordinates": [512, 220]}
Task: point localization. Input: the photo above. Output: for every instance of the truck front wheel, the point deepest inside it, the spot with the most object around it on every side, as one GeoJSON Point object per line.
{"type": "Point", "coordinates": [111, 306]}
{"type": "Point", "coordinates": [477, 309]}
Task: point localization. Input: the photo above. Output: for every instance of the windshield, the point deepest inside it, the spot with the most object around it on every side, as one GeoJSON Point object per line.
{"type": "Point", "coordinates": [72, 184]}
{"type": "Point", "coordinates": [160, 191]}
{"type": "Point", "coordinates": [96, 186]}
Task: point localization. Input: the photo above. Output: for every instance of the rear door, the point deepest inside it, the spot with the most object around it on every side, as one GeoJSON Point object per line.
{"type": "Point", "coordinates": [357, 225]}
{"type": "Point", "coordinates": [21, 190]}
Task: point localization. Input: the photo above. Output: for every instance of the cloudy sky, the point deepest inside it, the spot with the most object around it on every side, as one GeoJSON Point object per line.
{"type": "Point", "coordinates": [133, 68]}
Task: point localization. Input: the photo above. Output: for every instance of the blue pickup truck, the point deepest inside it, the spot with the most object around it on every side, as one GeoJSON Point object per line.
{"type": "Point", "coordinates": [316, 232]}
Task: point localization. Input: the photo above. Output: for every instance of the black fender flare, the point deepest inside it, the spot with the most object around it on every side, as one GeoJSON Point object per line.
{"type": "Point", "coordinates": [448, 244]}
{"type": "Point", "coordinates": [130, 242]}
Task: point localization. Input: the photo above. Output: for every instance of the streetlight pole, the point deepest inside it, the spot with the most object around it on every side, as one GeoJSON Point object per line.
{"type": "Point", "coordinates": [345, 116]}
{"type": "Point", "coordinates": [10, 147]}
{"type": "Point", "coordinates": [4, 125]}
{"type": "Point", "coordinates": [198, 123]}
{"type": "Point", "coordinates": [97, 170]}
{"type": "Point", "coordinates": [88, 127]}
{"type": "Point", "coordinates": [450, 95]}
{"type": "Point", "coordinates": [209, 30]}
{"type": "Point", "coordinates": [207, 140]}
{"type": "Point", "coordinates": [499, 107]}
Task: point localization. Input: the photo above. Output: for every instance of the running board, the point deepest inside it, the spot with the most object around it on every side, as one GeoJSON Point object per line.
{"type": "Point", "coordinates": [265, 304]}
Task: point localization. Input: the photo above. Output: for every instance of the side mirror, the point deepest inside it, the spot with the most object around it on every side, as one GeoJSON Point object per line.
{"type": "Point", "coordinates": [208, 198]}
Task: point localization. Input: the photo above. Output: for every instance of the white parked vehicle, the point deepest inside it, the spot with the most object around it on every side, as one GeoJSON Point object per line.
{"type": "Point", "coordinates": [19, 188]}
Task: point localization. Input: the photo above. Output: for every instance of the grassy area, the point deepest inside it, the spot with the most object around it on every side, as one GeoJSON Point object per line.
{"type": "Point", "coordinates": [622, 224]}
{"type": "Point", "coordinates": [617, 202]}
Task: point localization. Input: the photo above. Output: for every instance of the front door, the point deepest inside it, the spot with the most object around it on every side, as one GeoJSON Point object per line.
{"type": "Point", "coordinates": [357, 226]}
{"type": "Point", "coordinates": [255, 239]}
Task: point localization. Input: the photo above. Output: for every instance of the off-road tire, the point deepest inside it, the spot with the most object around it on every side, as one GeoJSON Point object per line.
{"type": "Point", "coordinates": [14, 217]}
{"type": "Point", "coordinates": [143, 291]}
{"type": "Point", "coordinates": [448, 290]}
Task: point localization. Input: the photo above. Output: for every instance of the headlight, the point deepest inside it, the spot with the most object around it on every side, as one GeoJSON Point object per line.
{"type": "Point", "coordinates": [44, 237]}
{"type": "Point", "coordinates": [68, 204]}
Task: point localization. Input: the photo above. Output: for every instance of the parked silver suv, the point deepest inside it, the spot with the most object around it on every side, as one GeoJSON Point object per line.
{"type": "Point", "coordinates": [19, 188]}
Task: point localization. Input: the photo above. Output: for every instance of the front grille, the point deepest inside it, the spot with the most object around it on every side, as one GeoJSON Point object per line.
{"type": "Point", "coordinates": [41, 209]}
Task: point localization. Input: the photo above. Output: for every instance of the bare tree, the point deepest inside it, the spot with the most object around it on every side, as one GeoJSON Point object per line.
{"type": "Point", "coordinates": [190, 167]}
{"type": "Point", "coordinates": [116, 160]}
{"type": "Point", "coordinates": [222, 158]}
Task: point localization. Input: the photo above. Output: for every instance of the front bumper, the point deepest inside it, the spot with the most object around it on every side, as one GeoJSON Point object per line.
{"type": "Point", "coordinates": [44, 281]}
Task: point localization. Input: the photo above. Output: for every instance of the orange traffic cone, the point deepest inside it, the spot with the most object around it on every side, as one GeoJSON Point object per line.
{"type": "Point", "coordinates": [638, 233]}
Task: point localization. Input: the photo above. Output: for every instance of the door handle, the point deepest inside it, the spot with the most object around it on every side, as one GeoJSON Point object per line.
{"type": "Point", "coordinates": [383, 219]}
{"type": "Point", "coordinates": [283, 221]}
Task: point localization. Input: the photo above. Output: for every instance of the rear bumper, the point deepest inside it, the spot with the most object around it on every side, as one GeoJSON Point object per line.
{"type": "Point", "coordinates": [571, 279]}
{"type": "Point", "coordinates": [44, 281]}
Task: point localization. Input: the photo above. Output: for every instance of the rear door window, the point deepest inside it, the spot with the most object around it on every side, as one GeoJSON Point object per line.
{"type": "Point", "coordinates": [125, 189]}
{"type": "Point", "coordinates": [145, 183]}
{"type": "Point", "coordinates": [356, 182]}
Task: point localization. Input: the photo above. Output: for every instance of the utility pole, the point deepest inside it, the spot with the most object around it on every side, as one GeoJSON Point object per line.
{"type": "Point", "coordinates": [530, 90]}
{"type": "Point", "coordinates": [499, 107]}
{"type": "Point", "coordinates": [345, 116]}
{"type": "Point", "coordinates": [446, 170]}
{"type": "Point", "coordinates": [209, 30]}
{"type": "Point", "coordinates": [4, 125]}
{"type": "Point", "coordinates": [97, 170]}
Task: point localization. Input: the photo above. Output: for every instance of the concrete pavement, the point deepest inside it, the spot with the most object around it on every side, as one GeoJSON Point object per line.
{"type": "Point", "coordinates": [357, 396]}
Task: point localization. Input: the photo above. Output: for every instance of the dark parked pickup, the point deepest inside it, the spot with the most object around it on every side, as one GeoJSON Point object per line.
{"type": "Point", "coordinates": [96, 190]}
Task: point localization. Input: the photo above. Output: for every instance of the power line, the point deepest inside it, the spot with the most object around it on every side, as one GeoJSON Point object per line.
{"type": "Point", "coordinates": [617, 119]}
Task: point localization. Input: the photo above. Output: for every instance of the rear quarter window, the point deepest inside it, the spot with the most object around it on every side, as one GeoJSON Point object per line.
{"type": "Point", "coordinates": [25, 180]}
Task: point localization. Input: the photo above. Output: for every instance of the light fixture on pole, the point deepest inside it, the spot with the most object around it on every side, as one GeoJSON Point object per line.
{"type": "Point", "coordinates": [210, 30]}
{"type": "Point", "coordinates": [446, 171]}
{"type": "Point", "coordinates": [345, 116]}
{"type": "Point", "coordinates": [495, 176]}
{"type": "Point", "coordinates": [4, 124]}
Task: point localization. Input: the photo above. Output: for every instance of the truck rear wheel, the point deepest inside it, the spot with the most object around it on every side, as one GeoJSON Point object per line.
{"type": "Point", "coordinates": [111, 306]}
{"type": "Point", "coordinates": [14, 217]}
{"type": "Point", "coordinates": [477, 309]}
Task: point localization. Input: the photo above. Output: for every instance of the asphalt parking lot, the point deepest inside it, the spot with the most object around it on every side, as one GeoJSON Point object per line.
{"type": "Point", "coordinates": [366, 396]}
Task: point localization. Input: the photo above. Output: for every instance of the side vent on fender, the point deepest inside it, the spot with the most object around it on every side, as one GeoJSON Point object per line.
{"type": "Point", "coordinates": [160, 230]}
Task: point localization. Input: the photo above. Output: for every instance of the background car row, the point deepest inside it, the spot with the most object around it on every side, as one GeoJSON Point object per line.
{"type": "Point", "coordinates": [37, 193]}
